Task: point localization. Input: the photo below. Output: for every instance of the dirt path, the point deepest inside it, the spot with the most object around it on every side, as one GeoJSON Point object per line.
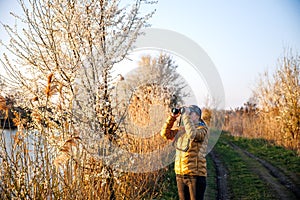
{"type": "Point", "coordinates": [221, 171]}
{"type": "Point", "coordinates": [278, 182]}
{"type": "Point", "coordinates": [283, 187]}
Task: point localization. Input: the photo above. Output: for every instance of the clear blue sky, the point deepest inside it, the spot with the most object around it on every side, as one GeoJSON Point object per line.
{"type": "Point", "coordinates": [242, 37]}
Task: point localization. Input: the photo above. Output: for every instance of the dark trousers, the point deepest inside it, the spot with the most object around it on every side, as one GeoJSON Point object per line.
{"type": "Point", "coordinates": [191, 187]}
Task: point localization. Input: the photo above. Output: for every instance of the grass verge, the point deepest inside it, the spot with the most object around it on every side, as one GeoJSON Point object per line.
{"type": "Point", "coordinates": [243, 183]}
{"type": "Point", "coordinates": [285, 159]}
{"type": "Point", "coordinates": [211, 181]}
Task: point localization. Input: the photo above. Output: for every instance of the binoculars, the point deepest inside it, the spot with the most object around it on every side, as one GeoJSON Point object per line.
{"type": "Point", "coordinates": [176, 111]}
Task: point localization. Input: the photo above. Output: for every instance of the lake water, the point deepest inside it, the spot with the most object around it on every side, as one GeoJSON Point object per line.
{"type": "Point", "coordinates": [7, 138]}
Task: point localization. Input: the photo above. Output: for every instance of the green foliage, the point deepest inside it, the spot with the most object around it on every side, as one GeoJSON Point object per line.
{"type": "Point", "coordinates": [243, 183]}
{"type": "Point", "coordinates": [211, 181]}
{"type": "Point", "coordinates": [285, 159]}
{"type": "Point", "coordinates": [170, 187]}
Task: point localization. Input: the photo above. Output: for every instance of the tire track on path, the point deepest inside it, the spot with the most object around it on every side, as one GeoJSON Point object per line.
{"type": "Point", "coordinates": [221, 171]}
{"type": "Point", "coordinates": [279, 182]}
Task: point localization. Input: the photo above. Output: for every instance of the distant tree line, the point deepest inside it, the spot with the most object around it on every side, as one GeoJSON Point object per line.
{"type": "Point", "coordinates": [273, 113]}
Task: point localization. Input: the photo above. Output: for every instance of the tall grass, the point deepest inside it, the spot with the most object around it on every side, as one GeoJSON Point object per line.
{"type": "Point", "coordinates": [40, 165]}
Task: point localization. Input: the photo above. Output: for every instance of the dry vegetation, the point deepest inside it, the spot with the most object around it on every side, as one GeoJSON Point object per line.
{"type": "Point", "coordinates": [274, 111]}
{"type": "Point", "coordinates": [71, 132]}
{"type": "Point", "coordinates": [38, 161]}
{"type": "Point", "coordinates": [82, 134]}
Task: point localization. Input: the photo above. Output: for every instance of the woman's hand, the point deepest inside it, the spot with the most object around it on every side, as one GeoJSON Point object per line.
{"type": "Point", "coordinates": [175, 115]}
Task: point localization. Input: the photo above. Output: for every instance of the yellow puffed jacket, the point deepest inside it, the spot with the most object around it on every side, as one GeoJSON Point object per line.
{"type": "Point", "coordinates": [191, 144]}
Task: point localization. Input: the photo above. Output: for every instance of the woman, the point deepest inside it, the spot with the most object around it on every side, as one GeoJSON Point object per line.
{"type": "Point", "coordinates": [190, 140]}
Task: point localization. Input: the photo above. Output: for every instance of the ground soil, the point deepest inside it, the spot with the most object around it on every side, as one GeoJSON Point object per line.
{"type": "Point", "coordinates": [283, 186]}
{"type": "Point", "coordinates": [221, 172]}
